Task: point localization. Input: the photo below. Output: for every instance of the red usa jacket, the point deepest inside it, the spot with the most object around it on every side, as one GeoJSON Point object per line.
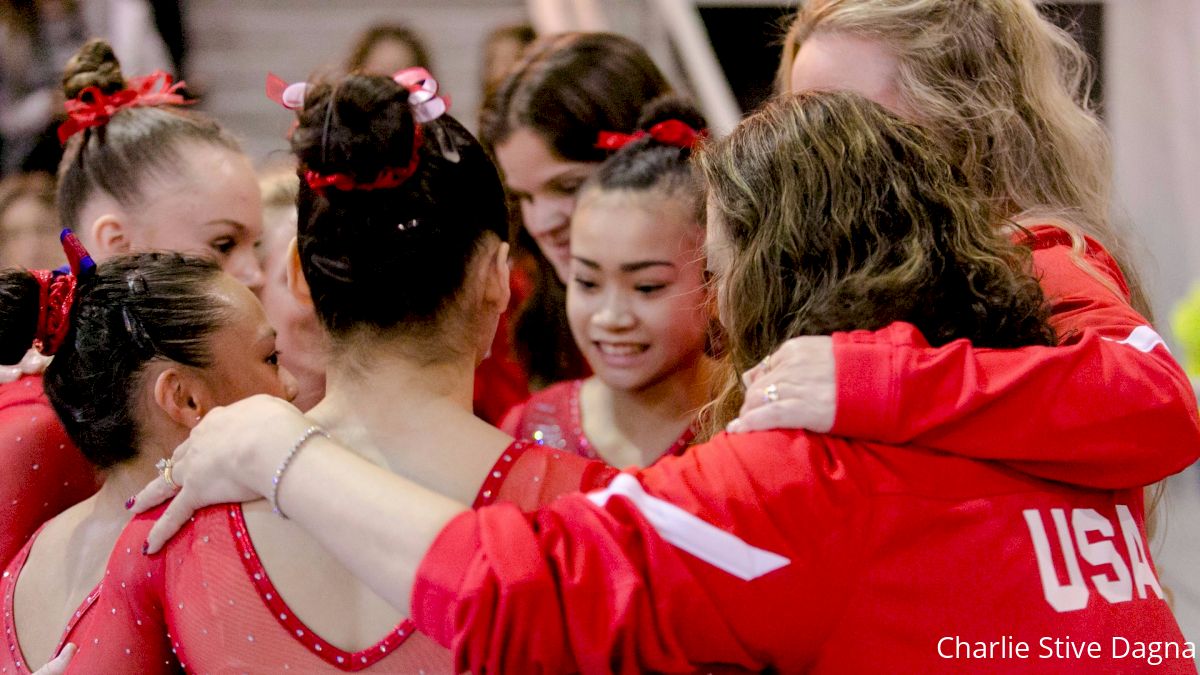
{"type": "Point", "coordinates": [801, 552]}
{"type": "Point", "coordinates": [1108, 408]}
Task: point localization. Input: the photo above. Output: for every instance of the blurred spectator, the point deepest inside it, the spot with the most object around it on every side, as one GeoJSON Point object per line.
{"type": "Point", "coordinates": [28, 222]}
{"type": "Point", "coordinates": [501, 49]}
{"type": "Point", "coordinates": [36, 39]}
{"type": "Point", "coordinates": [386, 48]}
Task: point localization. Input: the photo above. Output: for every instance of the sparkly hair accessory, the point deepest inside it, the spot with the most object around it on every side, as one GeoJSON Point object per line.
{"type": "Point", "coordinates": [58, 294]}
{"type": "Point", "coordinates": [423, 95]}
{"type": "Point", "coordinates": [290, 96]}
{"type": "Point", "coordinates": [427, 105]}
{"type": "Point", "coordinates": [670, 132]}
{"type": "Point", "coordinates": [94, 108]}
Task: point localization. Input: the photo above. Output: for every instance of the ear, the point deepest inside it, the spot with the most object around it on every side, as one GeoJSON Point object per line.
{"type": "Point", "coordinates": [296, 282]}
{"type": "Point", "coordinates": [109, 236]}
{"type": "Point", "coordinates": [181, 396]}
{"type": "Point", "coordinates": [496, 287]}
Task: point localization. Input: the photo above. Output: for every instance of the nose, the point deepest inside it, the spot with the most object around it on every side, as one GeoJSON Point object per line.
{"type": "Point", "coordinates": [291, 388]}
{"type": "Point", "coordinates": [544, 215]}
{"type": "Point", "coordinates": [615, 313]}
{"type": "Point", "coordinates": [246, 268]}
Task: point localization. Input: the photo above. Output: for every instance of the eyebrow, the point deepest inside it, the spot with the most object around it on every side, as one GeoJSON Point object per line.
{"type": "Point", "coordinates": [225, 221]}
{"type": "Point", "coordinates": [628, 267]}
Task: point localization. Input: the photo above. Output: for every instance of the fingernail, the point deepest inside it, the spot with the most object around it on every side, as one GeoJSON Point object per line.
{"type": "Point", "coordinates": [129, 503]}
{"type": "Point", "coordinates": [734, 426]}
{"type": "Point", "coordinates": [145, 547]}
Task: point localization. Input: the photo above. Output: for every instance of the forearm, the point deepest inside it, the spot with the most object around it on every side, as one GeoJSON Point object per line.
{"type": "Point", "coordinates": [378, 524]}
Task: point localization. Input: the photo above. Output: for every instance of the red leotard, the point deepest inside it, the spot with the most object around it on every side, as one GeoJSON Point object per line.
{"type": "Point", "coordinates": [12, 660]}
{"type": "Point", "coordinates": [552, 417]}
{"type": "Point", "coordinates": [41, 471]}
{"type": "Point", "coordinates": [209, 592]}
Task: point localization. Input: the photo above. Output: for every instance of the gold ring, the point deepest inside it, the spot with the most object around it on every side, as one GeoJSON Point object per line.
{"type": "Point", "coordinates": [771, 394]}
{"type": "Point", "coordinates": [164, 469]}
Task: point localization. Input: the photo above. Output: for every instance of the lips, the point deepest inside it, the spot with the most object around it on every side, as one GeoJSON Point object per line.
{"type": "Point", "coordinates": [620, 354]}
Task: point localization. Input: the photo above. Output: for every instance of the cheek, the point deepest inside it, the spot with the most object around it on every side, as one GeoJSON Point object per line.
{"type": "Point", "coordinates": [580, 308]}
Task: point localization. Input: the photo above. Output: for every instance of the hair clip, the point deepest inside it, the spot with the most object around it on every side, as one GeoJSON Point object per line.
{"type": "Point", "coordinates": [56, 294]}
{"type": "Point", "coordinates": [423, 95]}
{"type": "Point", "coordinates": [670, 132]}
{"type": "Point", "coordinates": [290, 96]}
{"type": "Point", "coordinates": [94, 108]}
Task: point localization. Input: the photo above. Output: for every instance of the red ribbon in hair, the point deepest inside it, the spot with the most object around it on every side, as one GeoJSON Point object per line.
{"type": "Point", "coordinates": [670, 132]}
{"type": "Point", "coordinates": [94, 108]}
{"type": "Point", "coordinates": [57, 295]}
{"type": "Point", "coordinates": [388, 178]}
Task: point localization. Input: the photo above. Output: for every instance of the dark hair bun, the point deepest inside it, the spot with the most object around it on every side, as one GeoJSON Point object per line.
{"type": "Point", "coordinates": [671, 107]}
{"type": "Point", "coordinates": [359, 126]}
{"type": "Point", "coordinates": [94, 65]}
{"type": "Point", "coordinates": [19, 304]}
{"type": "Point", "coordinates": [412, 242]}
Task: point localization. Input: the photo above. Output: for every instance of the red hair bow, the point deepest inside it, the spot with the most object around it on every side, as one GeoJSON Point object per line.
{"type": "Point", "coordinates": [94, 108]}
{"type": "Point", "coordinates": [57, 295]}
{"type": "Point", "coordinates": [670, 132]}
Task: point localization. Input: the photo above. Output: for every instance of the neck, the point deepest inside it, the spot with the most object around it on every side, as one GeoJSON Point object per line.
{"type": "Point", "coordinates": [393, 396]}
{"type": "Point", "coordinates": [126, 480]}
{"type": "Point", "coordinates": [676, 397]}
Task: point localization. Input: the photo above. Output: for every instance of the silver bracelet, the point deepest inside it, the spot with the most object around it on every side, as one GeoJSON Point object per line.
{"type": "Point", "coordinates": [287, 461]}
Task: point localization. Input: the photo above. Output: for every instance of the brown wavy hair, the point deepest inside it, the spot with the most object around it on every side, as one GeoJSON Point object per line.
{"type": "Point", "coordinates": [1007, 92]}
{"type": "Point", "coordinates": [837, 216]}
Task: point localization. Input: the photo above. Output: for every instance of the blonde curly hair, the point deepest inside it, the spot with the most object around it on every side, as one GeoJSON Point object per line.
{"type": "Point", "coordinates": [1006, 92]}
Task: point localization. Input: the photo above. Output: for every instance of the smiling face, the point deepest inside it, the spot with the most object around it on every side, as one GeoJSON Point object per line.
{"type": "Point", "coordinates": [545, 185]}
{"type": "Point", "coordinates": [636, 299]}
{"type": "Point", "coordinates": [211, 207]}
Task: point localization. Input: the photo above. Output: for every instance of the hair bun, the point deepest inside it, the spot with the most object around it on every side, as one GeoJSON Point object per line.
{"type": "Point", "coordinates": [94, 65]}
{"type": "Point", "coordinates": [671, 107]}
{"type": "Point", "coordinates": [360, 127]}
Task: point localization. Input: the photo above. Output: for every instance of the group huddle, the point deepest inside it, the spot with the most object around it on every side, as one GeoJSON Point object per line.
{"type": "Point", "coordinates": [862, 385]}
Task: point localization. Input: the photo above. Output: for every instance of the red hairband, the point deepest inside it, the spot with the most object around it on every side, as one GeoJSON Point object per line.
{"type": "Point", "coordinates": [94, 108]}
{"type": "Point", "coordinates": [57, 294]}
{"type": "Point", "coordinates": [427, 105]}
{"type": "Point", "coordinates": [670, 132]}
{"type": "Point", "coordinates": [388, 178]}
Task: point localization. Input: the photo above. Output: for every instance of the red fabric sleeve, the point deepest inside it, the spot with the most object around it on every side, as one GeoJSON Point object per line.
{"type": "Point", "coordinates": [43, 473]}
{"type": "Point", "coordinates": [596, 589]}
{"type": "Point", "coordinates": [128, 633]}
{"type": "Point", "coordinates": [1104, 409]}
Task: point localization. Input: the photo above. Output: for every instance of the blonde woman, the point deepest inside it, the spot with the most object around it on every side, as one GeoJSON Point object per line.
{"type": "Point", "coordinates": [1005, 94]}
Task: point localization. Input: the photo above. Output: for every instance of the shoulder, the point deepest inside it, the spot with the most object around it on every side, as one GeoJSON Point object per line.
{"type": "Point", "coordinates": [763, 467]}
{"type": "Point", "coordinates": [1058, 252]}
{"type": "Point", "coordinates": [27, 390]}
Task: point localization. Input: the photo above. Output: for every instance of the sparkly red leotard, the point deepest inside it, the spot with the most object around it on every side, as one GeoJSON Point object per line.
{"type": "Point", "coordinates": [552, 418]}
{"type": "Point", "coordinates": [41, 471]}
{"type": "Point", "coordinates": [207, 601]}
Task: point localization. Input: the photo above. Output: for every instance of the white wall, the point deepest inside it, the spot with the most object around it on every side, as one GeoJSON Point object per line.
{"type": "Point", "coordinates": [1153, 103]}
